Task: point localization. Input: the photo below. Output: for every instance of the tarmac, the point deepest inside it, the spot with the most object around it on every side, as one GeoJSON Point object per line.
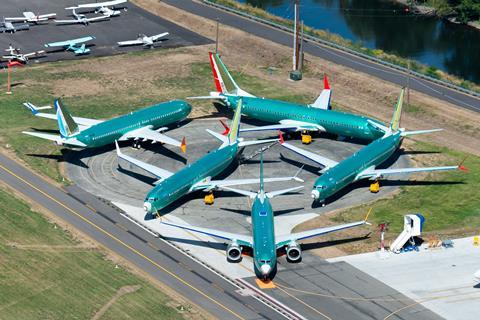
{"type": "Point", "coordinates": [441, 279]}
{"type": "Point", "coordinates": [127, 26]}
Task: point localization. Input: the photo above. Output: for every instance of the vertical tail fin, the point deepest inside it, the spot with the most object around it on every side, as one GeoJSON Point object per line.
{"type": "Point", "coordinates": [261, 171]}
{"type": "Point", "coordinates": [397, 113]}
{"type": "Point", "coordinates": [235, 125]}
{"type": "Point", "coordinates": [223, 80]}
{"type": "Point", "coordinates": [67, 125]}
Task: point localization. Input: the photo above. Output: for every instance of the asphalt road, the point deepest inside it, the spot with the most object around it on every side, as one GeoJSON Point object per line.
{"type": "Point", "coordinates": [127, 26]}
{"type": "Point", "coordinates": [152, 255]}
{"type": "Point", "coordinates": [339, 57]}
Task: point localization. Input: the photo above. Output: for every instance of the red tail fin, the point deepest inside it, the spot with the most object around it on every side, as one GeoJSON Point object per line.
{"type": "Point", "coordinates": [325, 83]}
{"type": "Point", "coordinates": [225, 126]}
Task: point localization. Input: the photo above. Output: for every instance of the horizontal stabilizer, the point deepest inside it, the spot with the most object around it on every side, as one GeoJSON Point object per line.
{"type": "Point", "coordinates": [411, 133]}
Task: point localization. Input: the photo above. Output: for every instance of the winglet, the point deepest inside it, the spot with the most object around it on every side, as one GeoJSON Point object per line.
{"type": "Point", "coordinates": [225, 126]}
{"type": "Point", "coordinates": [366, 217]}
{"type": "Point", "coordinates": [461, 166]}
{"type": "Point", "coordinates": [280, 134]}
{"type": "Point", "coordinates": [183, 146]}
{"type": "Point", "coordinates": [295, 177]}
{"type": "Point", "coordinates": [119, 153]}
{"type": "Point", "coordinates": [326, 86]}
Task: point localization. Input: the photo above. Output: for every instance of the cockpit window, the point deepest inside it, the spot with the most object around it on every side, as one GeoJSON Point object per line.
{"type": "Point", "coordinates": [263, 213]}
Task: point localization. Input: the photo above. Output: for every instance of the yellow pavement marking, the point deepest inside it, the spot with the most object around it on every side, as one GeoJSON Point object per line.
{"type": "Point", "coordinates": [306, 304]}
{"type": "Point", "coordinates": [122, 243]}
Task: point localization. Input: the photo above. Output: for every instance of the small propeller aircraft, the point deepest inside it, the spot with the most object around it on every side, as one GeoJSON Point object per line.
{"type": "Point", "coordinates": [8, 26]}
{"type": "Point", "coordinates": [14, 54]}
{"type": "Point", "coordinates": [29, 16]}
{"type": "Point", "coordinates": [144, 40]}
{"type": "Point", "coordinates": [73, 45]}
{"type": "Point", "coordinates": [81, 18]}
{"type": "Point", "coordinates": [106, 8]}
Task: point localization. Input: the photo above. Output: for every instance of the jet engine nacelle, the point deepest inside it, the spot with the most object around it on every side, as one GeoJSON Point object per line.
{"type": "Point", "coordinates": [234, 252]}
{"type": "Point", "coordinates": [294, 252]}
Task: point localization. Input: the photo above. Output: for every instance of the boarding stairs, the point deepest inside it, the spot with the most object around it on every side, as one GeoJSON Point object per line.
{"type": "Point", "coordinates": [412, 227]}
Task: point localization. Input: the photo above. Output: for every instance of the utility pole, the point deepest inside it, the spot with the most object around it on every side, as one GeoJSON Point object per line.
{"type": "Point", "coordinates": [296, 73]}
{"type": "Point", "coordinates": [216, 38]}
{"type": "Point", "coordinates": [408, 84]}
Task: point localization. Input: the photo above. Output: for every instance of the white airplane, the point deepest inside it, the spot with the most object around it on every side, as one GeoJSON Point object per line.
{"type": "Point", "coordinates": [14, 54]}
{"type": "Point", "coordinates": [29, 16]}
{"type": "Point", "coordinates": [8, 26]}
{"type": "Point", "coordinates": [106, 8]}
{"type": "Point", "coordinates": [81, 18]}
{"type": "Point", "coordinates": [144, 40]}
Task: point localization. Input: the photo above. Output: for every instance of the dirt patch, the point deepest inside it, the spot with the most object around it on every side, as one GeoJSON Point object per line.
{"type": "Point", "coordinates": [76, 87]}
{"type": "Point", "coordinates": [120, 292]}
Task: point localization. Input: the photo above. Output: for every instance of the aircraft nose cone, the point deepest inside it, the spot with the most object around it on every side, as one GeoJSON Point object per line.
{"type": "Point", "coordinates": [147, 206]}
{"type": "Point", "coordinates": [315, 194]}
{"type": "Point", "coordinates": [265, 269]}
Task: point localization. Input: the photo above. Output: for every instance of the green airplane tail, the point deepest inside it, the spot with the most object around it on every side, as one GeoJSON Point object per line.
{"type": "Point", "coordinates": [397, 114]}
{"type": "Point", "coordinates": [261, 171]}
{"type": "Point", "coordinates": [66, 124]}
{"type": "Point", "coordinates": [235, 126]}
{"type": "Point", "coordinates": [223, 80]}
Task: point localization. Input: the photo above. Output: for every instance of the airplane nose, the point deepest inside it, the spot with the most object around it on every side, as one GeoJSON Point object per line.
{"type": "Point", "coordinates": [315, 194]}
{"type": "Point", "coordinates": [265, 269]}
{"type": "Point", "coordinates": [147, 206]}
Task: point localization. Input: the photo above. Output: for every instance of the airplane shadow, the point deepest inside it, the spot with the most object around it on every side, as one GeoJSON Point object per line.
{"type": "Point", "coordinates": [276, 212]}
{"type": "Point", "coordinates": [323, 244]}
{"type": "Point", "coordinates": [207, 244]}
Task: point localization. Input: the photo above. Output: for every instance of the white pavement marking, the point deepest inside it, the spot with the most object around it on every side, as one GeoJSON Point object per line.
{"type": "Point", "coordinates": [440, 279]}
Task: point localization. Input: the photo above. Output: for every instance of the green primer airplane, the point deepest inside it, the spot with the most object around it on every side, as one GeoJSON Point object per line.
{"type": "Point", "coordinates": [317, 116]}
{"type": "Point", "coordinates": [264, 243]}
{"type": "Point", "coordinates": [145, 124]}
{"type": "Point", "coordinates": [198, 176]}
{"type": "Point", "coordinates": [361, 165]}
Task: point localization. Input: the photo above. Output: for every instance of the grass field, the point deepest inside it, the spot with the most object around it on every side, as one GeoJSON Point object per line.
{"type": "Point", "coordinates": [45, 274]}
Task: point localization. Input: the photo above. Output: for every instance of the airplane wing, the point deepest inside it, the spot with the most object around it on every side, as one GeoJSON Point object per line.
{"type": "Point", "coordinates": [160, 173]}
{"type": "Point", "coordinates": [146, 133]}
{"type": "Point", "coordinates": [36, 53]}
{"type": "Point", "coordinates": [324, 161]}
{"type": "Point", "coordinates": [241, 239]}
{"type": "Point", "coordinates": [158, 36]}
{"type": "Point", "coordinates": [287, 124]}
{"type": "Point", "coordinates": [65, 21]}
{"type": "Point", "coordinates": [97, 18]}
{"type": "Point", "coordinates": [12, 19]}
{"type": "Point", "coordinates": [85, 122]}
{"type": "Point", "coordinates": [377, 173]}
{"type": "Point", "coordinates": [284, 240]}
{"type": "Point", "coordinates": [207, 184]}
{"type": "Point", "coordinates": [69, 42]}
{"type": "Point", "coordinates": [47, 16]}
{"type": "Point", "coordinates": [102, 4]}
{"type": "Point", "coordinates": [129, 42]}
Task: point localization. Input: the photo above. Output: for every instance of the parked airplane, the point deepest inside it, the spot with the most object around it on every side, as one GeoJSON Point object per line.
{"type": "Point", "coordinates": [10, 27]}
{"type": "Point", "coordinates": [14, 54]}
{"type": "Point", "coordinates": [73, 45]}
{"type": "Point", "coordinates": [263, 242]}
{"type": "Point", "coordinates": [144, 124]}
{"type": "Point", "coordinates": [81, 18]}
{"type": "Point", "coordinates": [144, 40]}
{"type": "Point", "coordinates": [198, 176]}
{"type": "Point", "coordinates": [106, 8]}
{"type": "Point", "coordinates": [317, 116]}
{"type": "Point", "coordinates": [361, 165]}
{"type": "Point", "coordinates": [29, 16]}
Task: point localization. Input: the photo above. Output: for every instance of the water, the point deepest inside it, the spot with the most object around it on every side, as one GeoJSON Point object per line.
{"type": "Point", "coordinates": [386, 25]}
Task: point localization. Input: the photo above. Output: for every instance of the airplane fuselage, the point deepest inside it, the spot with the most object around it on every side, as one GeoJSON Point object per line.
{"type": "Point", "coordinates": [181, 183]}
{"type": "Point", "coordinates": [264, 247]}
{"type": "Point", "coordinates": [346, 171]}
{"type": "Point", "coordinates": [156, 116]}
{"type": "Point", "coordinates": [335, 122]}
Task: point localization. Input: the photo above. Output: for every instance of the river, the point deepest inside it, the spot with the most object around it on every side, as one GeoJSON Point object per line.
{"type": "Point", "coordinates": [388, 26]}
